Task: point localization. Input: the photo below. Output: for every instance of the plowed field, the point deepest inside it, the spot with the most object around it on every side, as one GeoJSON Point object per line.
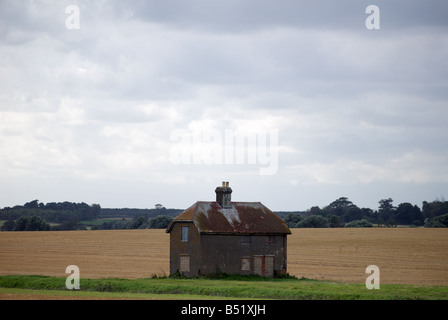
{"type": "Point", "coordinates": [404, 255]}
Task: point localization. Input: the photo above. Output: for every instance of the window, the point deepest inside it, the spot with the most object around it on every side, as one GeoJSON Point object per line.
{"type": "Point", "coordinates": [245, 239]}
{"type": "Point", "coordinates": [184, 236]}
{"type": "Point", "coordinates": [270, 239]}
{"type": "Point", "coordinates": [245, 264]}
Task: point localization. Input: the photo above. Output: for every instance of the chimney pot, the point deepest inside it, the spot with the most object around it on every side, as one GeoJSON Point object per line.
{"type": "Point", "coordinates": [223, 195]}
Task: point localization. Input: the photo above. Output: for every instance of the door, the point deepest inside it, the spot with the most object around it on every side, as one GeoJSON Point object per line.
{"type": "Point", "coordinates": [264, 266]}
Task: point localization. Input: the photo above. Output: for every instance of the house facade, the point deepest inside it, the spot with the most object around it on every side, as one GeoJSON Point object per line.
{"type": "Point", "coordinates": [230, 237]}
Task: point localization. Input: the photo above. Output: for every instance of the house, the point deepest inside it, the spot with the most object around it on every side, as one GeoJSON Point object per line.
{"type": "Point", "coordinates": [231, 237]}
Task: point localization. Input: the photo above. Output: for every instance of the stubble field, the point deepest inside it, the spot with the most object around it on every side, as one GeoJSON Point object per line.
{"type": "Point", "coordinates": [404, 255]}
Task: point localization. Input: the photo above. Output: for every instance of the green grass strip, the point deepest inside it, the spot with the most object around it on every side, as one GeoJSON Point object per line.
{"type": "Point", "coordinates": [243, 288]}
{"type": "Point", "coordinates": [34, 294]}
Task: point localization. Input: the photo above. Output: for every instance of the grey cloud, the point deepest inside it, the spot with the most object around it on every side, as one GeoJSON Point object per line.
{"type": "Point", "coordinates": [348, 102]}
{"type": "Point", "coordinates": [247, 15]}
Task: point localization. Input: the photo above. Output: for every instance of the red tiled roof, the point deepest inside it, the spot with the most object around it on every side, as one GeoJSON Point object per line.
{"type": "Point", "coordinates": [242, 218]}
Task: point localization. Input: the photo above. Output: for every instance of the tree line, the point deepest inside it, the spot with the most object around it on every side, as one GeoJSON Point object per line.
{"type": "Point", "coordinates": [344, 213]}
{"type": "Point", "coordinates": [157, 218]}
{"type": "Point", "coordinates": [37, 216]}
{"type": "Point", "coordinates": [138, 222]}
{"type": "Point", "coordinates": [54, 216]}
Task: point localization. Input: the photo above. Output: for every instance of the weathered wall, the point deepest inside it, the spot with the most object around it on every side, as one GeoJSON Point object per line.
{"type": "Point", "coordinates": [190, 247]}
{"type": "Point", "coordinates": [210, 254]}
{"type": "Point", "coordinates": [224, 253]}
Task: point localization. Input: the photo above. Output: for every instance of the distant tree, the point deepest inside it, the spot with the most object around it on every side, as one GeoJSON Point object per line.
{"type": "Point", "coordinates": [406, 213]}
{"type": "Point", "coordinates": [8, 225]}
{"type": "Point", "coordinates": [52, 206]}
{"type": "Point", "coordinates": [31, 223]}
{"type": "Point", "coordinates": [138, 223]}
{"type": "Point", "coordinates": [21, 224]}
{"type": "Point", "coordinates": [38, 224]}
{"type": "Point", "coordinates": [95, 210]}
{"type": "Point", "coordinates": [352, 213]}
{"type": "Point", "coordinates": [368, 213]}
{"type": "Point", "coordinates": [68, 225]}
{"type": "Point", "coordinates": [339, 207]}
{"type": "Point", "coordinates": [291, 219]}
{"type": "Point", "coordinates": [437, 222]}
{"type": "Point", "coordinates": [335, 221]}
{"type": "Point", "coordinates": [313, 222]}
{"type": "Point", "coordinates": [434, 209]}
{"type": "Point", "coordinates": [316, 211]}
{"type": "Point", "coordinates": [362, 223]}
{"type": "Point", "coordinates": [159, 222]}
{"type": "Point", "coordinates": [386, 204]}
{"type": "Point", "coordinates": [386, 211]}
{"type": "Point", "coordinates": [32, 204]}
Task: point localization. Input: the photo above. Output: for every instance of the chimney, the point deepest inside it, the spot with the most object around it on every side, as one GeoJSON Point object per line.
{"type": "Point", "coordinates": [223, 195]}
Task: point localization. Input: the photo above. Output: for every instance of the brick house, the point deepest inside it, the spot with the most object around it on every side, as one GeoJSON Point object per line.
{"type": "Point", "coordinates": [230, 237]}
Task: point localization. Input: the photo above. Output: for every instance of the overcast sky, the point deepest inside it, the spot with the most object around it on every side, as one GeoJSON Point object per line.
{"type": "Point", "coordinates": [97, 114]}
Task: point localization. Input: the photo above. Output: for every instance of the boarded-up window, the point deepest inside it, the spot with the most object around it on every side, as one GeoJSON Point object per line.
{"type": "Point", "coordinates": [184, 263]}
{"type": "Point", "coordinates": [270, 239]}
{"type": "Point", "coordinates": [245, 239]}
{"type": "Point", "coordinates": [184, 236]}
{"type": "Point", "coordinates": [245, 264]}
